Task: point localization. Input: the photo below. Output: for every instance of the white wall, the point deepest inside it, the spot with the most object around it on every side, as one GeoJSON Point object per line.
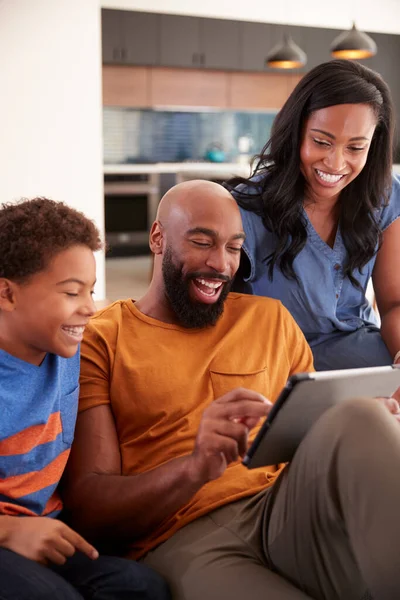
{"type": "Point", "coordinates": [371, 15]}
{"type": "Point", "coordinates": [50, 105]}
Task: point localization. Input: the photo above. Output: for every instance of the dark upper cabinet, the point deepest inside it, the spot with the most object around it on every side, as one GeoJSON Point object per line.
{"type": "Point", "coordinates": [141, 38]}
{"type": "Point", "coordinates": [317, 42]}
{"type": "Point", "coordinates": [257, 40]}
{"type": "Point", "coordinates": [220, 44]}
{"type": "Point", "coordinates": [130, 38]}
{"type": "Point", "coordinates": [179, 41]}
{"type": "Point", "coordinates": [111, 35]}
{"type": "Point", "coordinates": [198, 42]}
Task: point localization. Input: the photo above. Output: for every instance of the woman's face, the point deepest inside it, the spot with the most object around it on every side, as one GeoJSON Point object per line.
{"type": "Point", "coordinates": [334, 148]}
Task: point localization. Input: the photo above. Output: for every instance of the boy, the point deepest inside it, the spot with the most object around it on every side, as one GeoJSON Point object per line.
{"type": "Point", "coordinates": [47, 276]}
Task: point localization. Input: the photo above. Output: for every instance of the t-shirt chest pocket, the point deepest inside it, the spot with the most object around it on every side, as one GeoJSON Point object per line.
{"type": "Point", "coordinates": [224, 382]}
{"type": "Point", "coordinates": [69, 409]}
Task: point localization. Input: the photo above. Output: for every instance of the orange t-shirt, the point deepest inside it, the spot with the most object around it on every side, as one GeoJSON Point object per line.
{"type": "Point", "coordinates": [159, 378]}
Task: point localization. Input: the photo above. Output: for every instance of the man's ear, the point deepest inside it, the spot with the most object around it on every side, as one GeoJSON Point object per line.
{"type": "Point", "coordinates": [156, 239]}
{"type": "Point", "coordinates": [7, 295]}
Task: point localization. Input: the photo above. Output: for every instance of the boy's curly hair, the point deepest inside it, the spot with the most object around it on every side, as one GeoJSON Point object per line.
{"type": "Point", "coordinates": [33, 231]}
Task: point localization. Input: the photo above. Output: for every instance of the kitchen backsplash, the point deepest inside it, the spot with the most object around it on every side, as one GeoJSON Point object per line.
{"type": "Point", "coordinates": [132, 135]}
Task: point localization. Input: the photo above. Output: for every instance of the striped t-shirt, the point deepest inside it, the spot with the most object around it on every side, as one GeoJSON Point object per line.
{"type": "Point", "coordinates": [38, 407]}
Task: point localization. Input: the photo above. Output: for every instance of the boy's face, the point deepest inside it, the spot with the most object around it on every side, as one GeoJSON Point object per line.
{"type": "Point", "coordinates": [49, 312]}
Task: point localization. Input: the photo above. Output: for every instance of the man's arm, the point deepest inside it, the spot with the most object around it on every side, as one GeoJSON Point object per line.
{"type": "Point", "coordinates": [105, 503]}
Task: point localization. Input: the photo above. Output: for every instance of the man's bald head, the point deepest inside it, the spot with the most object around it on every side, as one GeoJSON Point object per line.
{"type": "Point", "coordinates": [194, 200]}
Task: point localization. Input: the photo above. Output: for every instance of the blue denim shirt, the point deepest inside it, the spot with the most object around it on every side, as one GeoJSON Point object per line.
{"type": "Point", "coordinates": [322, 301]}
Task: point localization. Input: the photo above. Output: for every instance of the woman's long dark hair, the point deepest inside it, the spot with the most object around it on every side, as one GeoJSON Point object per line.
{"type": "Point", "coordinates": [280, 203]}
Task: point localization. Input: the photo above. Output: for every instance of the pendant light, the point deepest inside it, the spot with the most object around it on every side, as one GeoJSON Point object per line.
{"type": "Point", "coordinates": [286, 55]}
{"type": "Point", "coordinates": [353, 44]}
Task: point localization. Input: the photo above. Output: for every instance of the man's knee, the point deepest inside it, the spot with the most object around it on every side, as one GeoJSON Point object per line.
{"type": "Point", "coordinates": [351, 426]}
{"type": "Point", "coordinates": [358, 408]}
{"type": "Point", "coordinates": [358, 414]}
{"type": "Point", "coordinates": [357, 424]}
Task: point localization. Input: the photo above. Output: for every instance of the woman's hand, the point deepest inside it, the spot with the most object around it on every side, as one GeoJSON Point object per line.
{"type": "Point", "coordinates": [392, 404]}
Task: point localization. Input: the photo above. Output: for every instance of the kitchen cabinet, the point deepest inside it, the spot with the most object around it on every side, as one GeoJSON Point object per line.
{"type": "Point", "coordinates": [111, 36]}
{"type": "Point", "coordinates": [150, 87]}
{"type": "Point", "coordinates": [139, 38]}
{"type": "Point", "coordinates": [220, 43]}
{"type": "Point", "coordinates": [126, 86]}
{"type": "Point", "coordinates": [189, 87]}
{"type": "Point", "coordinates": [130, 37]}
{"type": "Point", "coordinates": [260, 91]}
{"type": "Point", "coordinates": [316, 45]}
{"type": "Point", "coordinates": [256, 43]}
{"type": "Point", "coordinates": [179, 41]}
{"type": "Point", "coordinates": [197, 42]}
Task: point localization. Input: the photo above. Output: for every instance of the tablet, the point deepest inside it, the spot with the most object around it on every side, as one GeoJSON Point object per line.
{"type": "Point", "coordinates": [304, 399]}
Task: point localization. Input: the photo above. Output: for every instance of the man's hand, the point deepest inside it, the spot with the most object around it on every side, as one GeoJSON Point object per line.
{"type": "Point", "coordinates": [42, 539]}
{"type": "Point", "coordinates": [223, 431]}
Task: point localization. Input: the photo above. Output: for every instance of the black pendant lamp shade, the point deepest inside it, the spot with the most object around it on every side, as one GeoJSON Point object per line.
{"type": "Point", "coordinates": [353, 44]}
{"type": "Point", "coordinates": [286, 55]}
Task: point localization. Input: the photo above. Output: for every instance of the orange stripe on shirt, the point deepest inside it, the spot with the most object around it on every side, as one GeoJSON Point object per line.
{"type": "Point", "coordinates": [27, 439]}
{"type": "Point", "coordinates": [29, 483]}
{"type": "Point", "coordinates": [16, 510]}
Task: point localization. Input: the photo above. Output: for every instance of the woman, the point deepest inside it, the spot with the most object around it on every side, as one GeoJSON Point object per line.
{"type": "Point", "coordinates": [321, 212]}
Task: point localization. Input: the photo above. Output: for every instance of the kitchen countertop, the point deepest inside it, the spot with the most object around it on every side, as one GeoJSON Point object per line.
{"type": "Point", "coordinates": [228, 169]}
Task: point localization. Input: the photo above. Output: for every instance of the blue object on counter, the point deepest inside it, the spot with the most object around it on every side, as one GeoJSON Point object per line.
{"type": "Point", "coordinates": [215, 153]}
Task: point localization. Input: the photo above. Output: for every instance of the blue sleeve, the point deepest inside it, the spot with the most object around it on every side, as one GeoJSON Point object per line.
{"type": "Point", "coordinates": [391, 212]}
{"type": "Point", "coordinates": [243, 188]}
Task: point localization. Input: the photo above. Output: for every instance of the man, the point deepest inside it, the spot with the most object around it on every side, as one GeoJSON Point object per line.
{"type": "Point", "coordinates": [171, 386]}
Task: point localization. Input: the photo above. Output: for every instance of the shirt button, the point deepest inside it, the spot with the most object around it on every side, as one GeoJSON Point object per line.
{"type": "Point", "coordinates": [337, 267]}
{"type": "Point", "coordinates": [337, 296]}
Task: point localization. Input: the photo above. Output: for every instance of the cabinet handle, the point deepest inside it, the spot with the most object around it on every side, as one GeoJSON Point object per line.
{"type": "Point", "coordinates": [202, 59]}
{"type": "Point", "coordinates": [195, 57]}
{"type": "Point", "coordinates": [123, 54]}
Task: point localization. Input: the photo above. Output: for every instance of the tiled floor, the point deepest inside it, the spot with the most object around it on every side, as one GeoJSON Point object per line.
{"type": "Point", "coordinates": [127, 277]}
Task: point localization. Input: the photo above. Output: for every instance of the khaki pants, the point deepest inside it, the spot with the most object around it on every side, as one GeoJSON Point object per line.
{"type": "Point", "coordinates": [329, 528]}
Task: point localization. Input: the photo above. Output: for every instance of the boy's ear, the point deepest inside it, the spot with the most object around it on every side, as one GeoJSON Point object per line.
{"type": "Point", "coordinates": [156, 238]}
{"type": "Point", "coordinates": [7, 295]}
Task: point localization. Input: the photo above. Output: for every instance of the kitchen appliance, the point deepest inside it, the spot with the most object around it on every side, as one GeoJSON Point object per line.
{"type": "Point", "coordinates": [130, 203]}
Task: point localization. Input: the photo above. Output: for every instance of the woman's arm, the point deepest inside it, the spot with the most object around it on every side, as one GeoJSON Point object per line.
{"type": "Point", "coordinates": [386, 281]}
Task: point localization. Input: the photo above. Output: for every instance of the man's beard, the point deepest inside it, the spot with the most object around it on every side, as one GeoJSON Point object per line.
{"type": "Point", "coordinates": [189, 313]}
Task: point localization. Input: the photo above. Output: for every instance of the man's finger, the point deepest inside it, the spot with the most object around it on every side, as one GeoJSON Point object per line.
{"type": "Point", "coordinates": [239, 394]}
{"type": "Point", "coordinates": [242, 410]}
